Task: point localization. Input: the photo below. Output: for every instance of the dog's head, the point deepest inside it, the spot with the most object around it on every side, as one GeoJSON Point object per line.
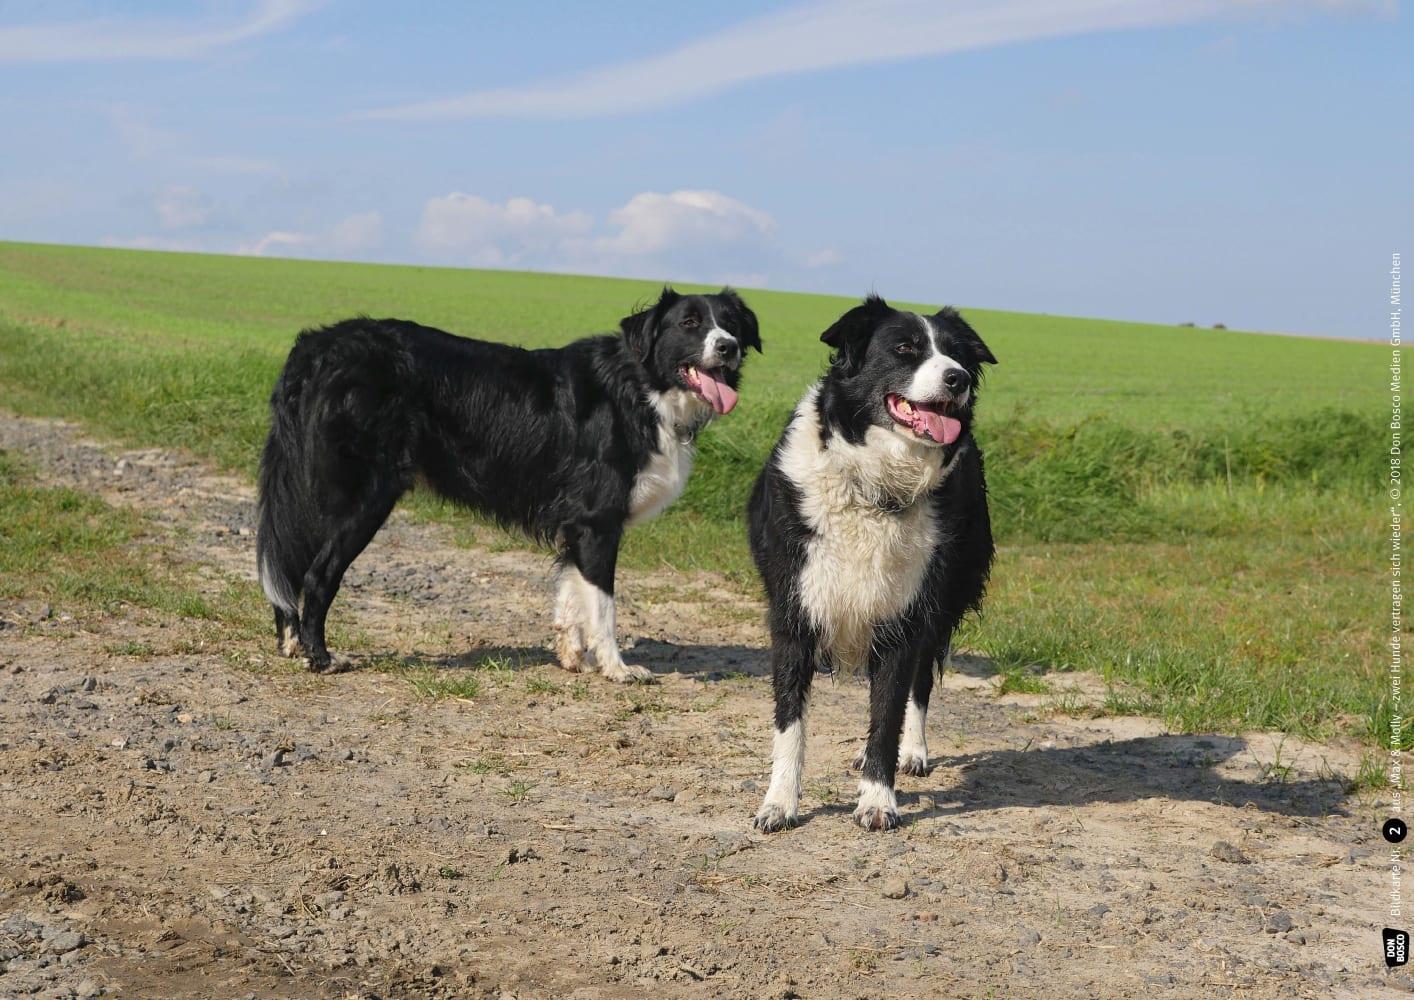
{"type": "Point", "coordinates": [696, 343]}
{"type": "Point", "coordinates": [914, 375]}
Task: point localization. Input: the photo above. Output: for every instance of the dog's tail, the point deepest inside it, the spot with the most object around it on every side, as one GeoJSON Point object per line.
{"type": "Point", "coordinates": [286, 528]}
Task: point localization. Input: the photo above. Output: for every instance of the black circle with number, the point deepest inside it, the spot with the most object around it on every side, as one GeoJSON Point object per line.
{"type": "Point", "coordinates": [1394, 830]}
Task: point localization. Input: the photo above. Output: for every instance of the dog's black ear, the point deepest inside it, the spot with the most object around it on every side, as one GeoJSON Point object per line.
{"type": "Point", "coordinates": [641, 328]}
{"type": "Point", "coordinates": [747, 330]}
{"type": "Point", "coordinates": [851, 332]}
{"type": "Point", "coordinates": [950, 319]}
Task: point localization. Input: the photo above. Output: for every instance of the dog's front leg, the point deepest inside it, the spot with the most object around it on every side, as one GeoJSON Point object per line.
{"type": "Point", "coordinates": [891, 672]}
{"type": "Point", "coordinates": [792, 668]}
{"type": "Point", "coordinates": [593, 554]}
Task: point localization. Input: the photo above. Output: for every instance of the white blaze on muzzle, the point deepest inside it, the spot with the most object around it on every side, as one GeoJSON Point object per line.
{"type": "Point", "coordinates": [715, 336]}
{"type": "Point", "coordinates": [927, 384]}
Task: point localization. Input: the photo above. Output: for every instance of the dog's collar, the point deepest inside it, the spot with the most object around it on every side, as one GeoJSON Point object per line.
{"type": "Point", "coordinates": [687, 432]}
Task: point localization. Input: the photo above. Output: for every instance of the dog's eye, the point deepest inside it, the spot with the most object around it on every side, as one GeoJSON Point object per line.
{"type": "Point", "coordinates": [689, 322]}
{"type": "Point", "coordinates": [906, 349]}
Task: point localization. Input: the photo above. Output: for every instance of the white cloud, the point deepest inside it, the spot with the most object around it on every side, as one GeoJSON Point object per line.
{"type": "Point", "coordinates": [104, 39]}
{"type": "Point", "coordinates": [472, 230]}
{"type": "Point", "coordinates": [702, 235]}
{"type": "Point", "coordinates": [276, 239]}
{"type": "Point", "coordinates": [812, 37]}
{"type": "Point", "coordinates": [182, 207]}
{"type": "Point", "coordinates": [357, 233]}
{"type": "Point", "coordinates": [652, 223]}
{"type": "Point", "coordinates": [353, 236]}
{"type": "Point", "coordinates": [826, 257]}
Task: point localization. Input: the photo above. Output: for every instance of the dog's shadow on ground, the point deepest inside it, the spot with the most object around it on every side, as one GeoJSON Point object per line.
{"type": "Point", "coordinates": [706, 663]}
{"type": "Point", "coordinates": [701, 662]}
{"type": "Point", "coordinates": [1178, 768]}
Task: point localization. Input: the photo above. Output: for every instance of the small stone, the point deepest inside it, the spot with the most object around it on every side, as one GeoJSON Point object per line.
{"type": "Point", "coordinates": [1098, 910]}
{"type": "Point", "coordinates": [519, 854]}
{"type": "Point", "coordinates": [276, 758]}
{"type": "Point", "coordinates": [1227, 853]}
{"type": "Point", "coordinates": [894, 888]}
{"type": "Point", "coordinates": [89, 989]}
{"type": "Point", "coordinates": [1028, 938]}
{"type": "Point", "coordinates": [89, 685]}
{"type": "Point", "coordinates": [662, 794]}
{"type": "Point", "coordinates": [65, 942]}
{"type": "Point", "coordinates": [1278, 923]}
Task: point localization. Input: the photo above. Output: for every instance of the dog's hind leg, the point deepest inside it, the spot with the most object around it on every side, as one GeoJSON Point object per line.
{"type": "Point", "coordinates": [570, 621]}
{"type": "Point", "coordinates": [287, 633]}
{"type": "Point", "coordinates": [350, 536]}
{"type": "Point", "coordinates": [792, 669]}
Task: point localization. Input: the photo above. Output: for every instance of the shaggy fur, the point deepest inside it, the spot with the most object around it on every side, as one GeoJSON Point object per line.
{"type": "Point", "coordinates": [869, 525]}
{"type": "Point", "coordinates": [569, 445]}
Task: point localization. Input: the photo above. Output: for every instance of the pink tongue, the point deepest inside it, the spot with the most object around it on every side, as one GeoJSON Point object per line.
{"type": "Point", "coordinates": [942, 429]}
{"type": "Point", "coordinates": [721, 396]}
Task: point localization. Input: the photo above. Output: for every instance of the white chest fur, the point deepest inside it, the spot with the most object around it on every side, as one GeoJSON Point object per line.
{"type": "Point", "coordinates": [864, 565]}
{"type": "Point", "coordinates": [665, 476]}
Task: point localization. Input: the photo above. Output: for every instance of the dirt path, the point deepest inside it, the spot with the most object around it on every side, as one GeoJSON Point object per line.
{"type": "Point", "coordinates": [182, 820]}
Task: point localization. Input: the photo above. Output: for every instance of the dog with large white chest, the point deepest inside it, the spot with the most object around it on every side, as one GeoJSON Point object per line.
{"type": "Point", "coordinates": [870, 528]}
{"type": "Point", "coordinates": [571, 445]}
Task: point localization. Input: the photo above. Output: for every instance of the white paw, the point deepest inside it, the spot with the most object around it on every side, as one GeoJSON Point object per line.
{"type": "Point", "coordinates": [914, 762]}
{"type": "Point", "coordinates": [876, 818]}
{"type": "Point", "coordinates": [878, 808]}
{"type": "Point", "coordinates": [289, 643]}
{"type": "Point", "coordinates": [623, 673]}
{"type": "Point", "coordinates": [858, 763]}
{"type": "Point", "coordinates": [569, 650]}
{"type": "Point", "coordinates": [773, 817]}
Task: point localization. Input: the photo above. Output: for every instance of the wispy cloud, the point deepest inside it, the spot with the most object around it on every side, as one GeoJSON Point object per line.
{"type": "Point", "coordinates": [142, 140]}
{"type": "Point", "coordinates": [355, 237]}
{"type": "Point", "coordinates": [813, 37]}
{"type": "Point", "coordinates": [103, 39]}
{"type": "Point", "coordinates": [686, 234]}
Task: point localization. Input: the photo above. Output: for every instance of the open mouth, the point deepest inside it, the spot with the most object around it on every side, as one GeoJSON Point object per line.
{"type": "Point", "coordinates": [710, 385]}
{"type": "Point", "coordinates": [927, 420]}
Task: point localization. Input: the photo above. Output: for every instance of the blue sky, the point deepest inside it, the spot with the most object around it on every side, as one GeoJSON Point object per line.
{"type": "Point", "coordinates": [1243, 162]}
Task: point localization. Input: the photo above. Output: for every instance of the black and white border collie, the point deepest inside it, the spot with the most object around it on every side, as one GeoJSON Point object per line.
{"type": "Point", "coordinates": [869, 525]}
{"type": "Point", "coordinates": [571, 445]}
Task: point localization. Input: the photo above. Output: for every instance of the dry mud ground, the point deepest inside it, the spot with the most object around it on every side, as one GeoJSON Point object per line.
{"type": "Point", "coordinates": [189, 818]}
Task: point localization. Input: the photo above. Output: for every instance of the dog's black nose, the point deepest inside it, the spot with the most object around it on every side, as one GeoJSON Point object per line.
{"type": "Point", "coordinates": [727, 349]}
{"type": "Point", "coordinates": [956, 380]}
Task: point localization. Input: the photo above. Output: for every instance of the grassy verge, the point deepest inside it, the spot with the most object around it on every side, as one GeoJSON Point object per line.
{"type": "Point", "coordinates": [1174, 512]}
{"type": "Point", "coordinates": [82, 556]}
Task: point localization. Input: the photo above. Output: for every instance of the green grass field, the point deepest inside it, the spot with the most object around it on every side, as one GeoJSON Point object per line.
{"type": "Point", "coordinates": [1193, 513]}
